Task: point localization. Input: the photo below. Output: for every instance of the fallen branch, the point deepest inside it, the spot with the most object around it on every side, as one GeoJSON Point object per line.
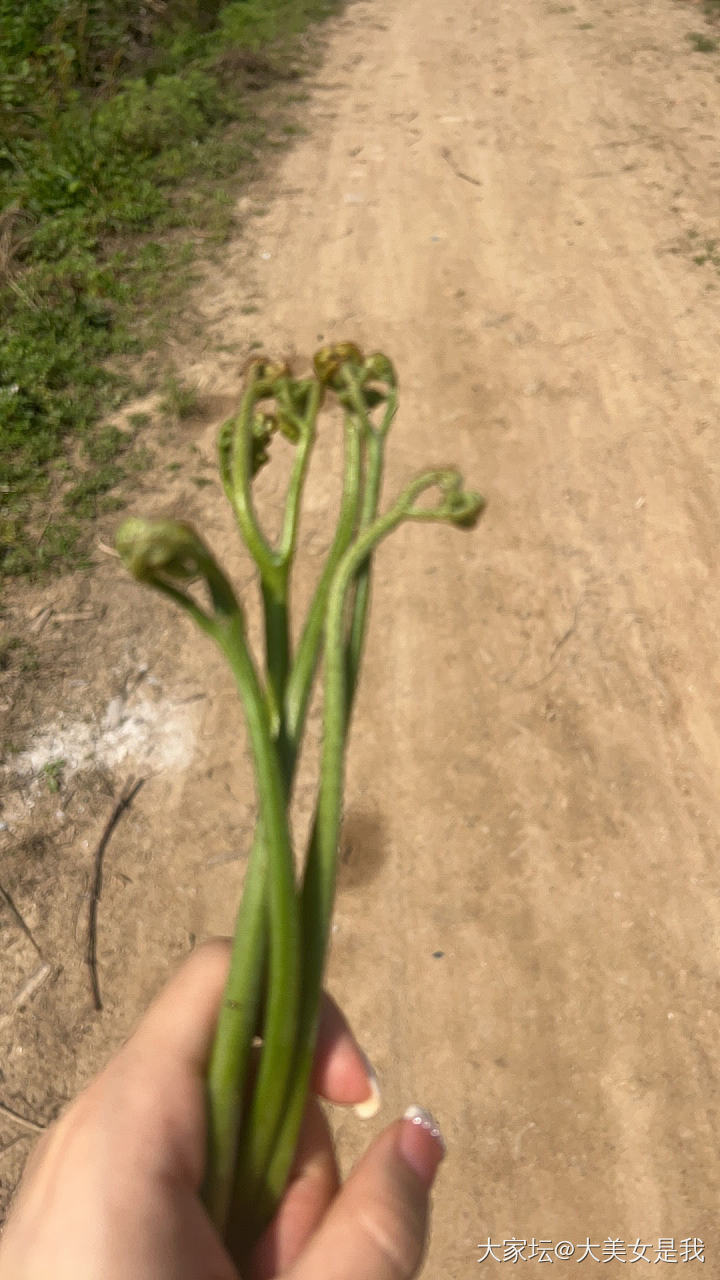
{"type": "Point", "coordinates": [127, 795]}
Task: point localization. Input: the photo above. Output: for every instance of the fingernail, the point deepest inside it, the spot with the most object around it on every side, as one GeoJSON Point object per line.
{"type": "Point", "coordinates": [421, 1143]}
{"type": "Point", "coordinates": [370, 1106]}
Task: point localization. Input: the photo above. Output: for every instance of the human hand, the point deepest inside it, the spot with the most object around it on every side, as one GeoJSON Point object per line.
{"type": "Point", "coordinates": [112, 1190]}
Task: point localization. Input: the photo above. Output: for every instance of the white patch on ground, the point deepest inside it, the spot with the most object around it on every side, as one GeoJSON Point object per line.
{"type": "Point", "coordinates": [154, 734]}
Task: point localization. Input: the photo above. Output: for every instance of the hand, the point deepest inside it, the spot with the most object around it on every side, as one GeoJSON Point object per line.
{"type": "Point", "coordinates": [111, 1192]}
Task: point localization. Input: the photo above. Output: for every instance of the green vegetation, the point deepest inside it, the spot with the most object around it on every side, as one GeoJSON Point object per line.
{"type": "Point", "coordinates": [18, 654]}
{"type": "Point", "coordinates": [180, 400]}
{"type": "Point", "coordinates": [53, 774]}
{"type": "Point", "coordinates": [120, 123]}
{"type": "Point", "coordinates": [700, 248]}
{"type": "Point", "coordinates": [702, 43]}
{"type": "Point", "coordinates": [708, 250]}
{"type": "Point", "coordinates": [283, 927]}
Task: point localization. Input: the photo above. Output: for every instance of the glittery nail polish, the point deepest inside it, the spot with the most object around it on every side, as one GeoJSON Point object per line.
{"type": "Point", "coordinates": [421, 1143]}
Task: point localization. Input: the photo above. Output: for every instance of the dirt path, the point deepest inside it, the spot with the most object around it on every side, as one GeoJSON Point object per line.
{"type": "Point", "coordinates": [506, 199]}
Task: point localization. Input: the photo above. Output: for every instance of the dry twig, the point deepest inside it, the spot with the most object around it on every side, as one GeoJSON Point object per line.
{"type": "Point", "coordinates": [127, 795]}
{"type": "Point", "coordinates": [466, 177]}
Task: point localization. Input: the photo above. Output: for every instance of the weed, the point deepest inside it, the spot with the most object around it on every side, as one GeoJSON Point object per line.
{"type": "Point", "coordinates": [710, 252]}
{"type": "Point", "coordinates": [106, 444]}
{"type": "Point", "coordinates": [17, 652]}
{"type": "Point", "coordinates": [53, 774]}
{"type": "Point", "coordinates": [82, 498]}
{"type": "Point", "coordinates": [701, 249]}
{"type": "Point", "coordinates": [141, 459]}
{"type": "Point", "coordinates": [702, 43]}
{"type": "Point", "coordinates": [180, 399]}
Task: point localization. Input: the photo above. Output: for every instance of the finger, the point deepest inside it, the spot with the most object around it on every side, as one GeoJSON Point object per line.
{"type": "Point", "coordinates": [151, 1093]}
{"type": "Point", "coordinates": [314, 1181]}
{"type": "Point", "coordinates": [342, 1072]}
{"type": "Point", "coordinates": [164, 1062]}
{"type": "Point", "coordinates": [180, 1023]}
{"type": "Point", "coordinates": [173, 1040]}
{"type": "Point", "coordinates": [376, 1226]}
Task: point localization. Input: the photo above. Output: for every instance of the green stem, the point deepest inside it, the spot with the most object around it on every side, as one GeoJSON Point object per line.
{"type": "Point", "coordinates": [284, 953]}
{"type": "Point", "coordinates": [308, 649]}
{"type": "Point", "coordinates": [275, 587]}
{"type": "Point", "coordinates": [358, 427]}
{"type": "Point", "coordinates": [277, 645]}
{"type": "Point", "coordinates": [319, 881]}
{"type": "Point", "coordinates": [268, 561]}
{"type": "Point", "coordinates": [374, 438]}
{"type": "Point", "coordinates": [237, 1020]}
{"type": "Point", "coordinates": [299, 473]}
{"type": "Point", "coordinates": [162, 554]}
{"type": "Point", "coordinates": [358, 621]}
{"type": "Point", "coordinates": [266, 1114]}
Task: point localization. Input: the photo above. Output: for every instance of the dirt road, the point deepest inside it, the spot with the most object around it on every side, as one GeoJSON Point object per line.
{"type": "Point", "coordinates": [506, 198]}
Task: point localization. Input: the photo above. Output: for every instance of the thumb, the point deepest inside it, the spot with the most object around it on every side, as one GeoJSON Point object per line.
{"type": "Point", "coordinates": [376, 1228]}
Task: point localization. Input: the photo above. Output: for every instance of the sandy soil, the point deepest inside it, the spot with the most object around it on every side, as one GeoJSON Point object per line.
{"type": "Point", "coordinates": [506, 198]}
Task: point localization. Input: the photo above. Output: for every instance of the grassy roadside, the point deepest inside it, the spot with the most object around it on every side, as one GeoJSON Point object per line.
{"type": "Point", "coordinates": [126, 130]}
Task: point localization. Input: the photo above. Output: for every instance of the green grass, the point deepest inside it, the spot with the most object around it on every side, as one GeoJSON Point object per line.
{"type": "Point", "coordinates": [17, 653]}
{"type": "Point", "coordinates": [701, 249]}
{"type": "Point", "coordinates": [53, 774]}
{"type": "Point", "coordinates": [121, 137]}
{"type": "Point", "coordinates": [702, 43]}
{"type": "Point", "coordinates": [708, 251]}
{"type": "Point", "coordinates": [180, 399]}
